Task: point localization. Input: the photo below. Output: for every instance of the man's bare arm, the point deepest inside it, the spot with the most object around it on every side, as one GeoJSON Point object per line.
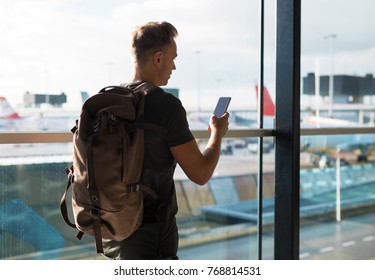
{"type": "Point", "coordinates": [199, 166]}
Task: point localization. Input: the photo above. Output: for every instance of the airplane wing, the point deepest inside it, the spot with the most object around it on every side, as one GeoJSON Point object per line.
{"type": "Point", "coordinates": [362, 149]}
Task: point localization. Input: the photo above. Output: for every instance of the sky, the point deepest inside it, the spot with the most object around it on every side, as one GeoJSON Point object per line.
{"type": "Point", "coordinates": [54, 46]}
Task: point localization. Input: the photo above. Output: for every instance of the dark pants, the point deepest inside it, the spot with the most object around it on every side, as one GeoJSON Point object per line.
{"type": "Point", "coordinates": [152, 241]}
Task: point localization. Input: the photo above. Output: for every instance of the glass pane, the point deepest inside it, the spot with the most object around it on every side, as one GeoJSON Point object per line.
{"type": "Point", "coordinates": [70, 50]}
{"type": "Point", "coordinates": [338, 87]}
{"type": "Point", "coordinates": [220, 218]}
{"type": "Point", "coordinates": [221, 215]}
{"type": "Point", "coordinates": [338, 200]}
{"type": "Point", "coordinates": [337, 63]}
{"type": "Point", "coordinates": [32, 182]}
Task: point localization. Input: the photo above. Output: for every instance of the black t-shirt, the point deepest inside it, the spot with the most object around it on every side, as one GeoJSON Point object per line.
{"type": "Point", "coordinates": [166, 110]}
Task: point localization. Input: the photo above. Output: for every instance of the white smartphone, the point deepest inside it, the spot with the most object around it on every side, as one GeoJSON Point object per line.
{"type": "Point", "coordinates": [222, 106]}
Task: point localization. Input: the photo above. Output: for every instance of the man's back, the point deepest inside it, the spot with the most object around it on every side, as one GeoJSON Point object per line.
{"type": "Point", "coordinates": [165, 110]}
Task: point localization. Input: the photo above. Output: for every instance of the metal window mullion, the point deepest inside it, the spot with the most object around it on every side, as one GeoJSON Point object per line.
{"type": "Point", "coordinates": [288, 38]}
{"type": "Point", "coordinates": [260, 139]}
{"type": "Point", "coordinates": [66, 137]}
{"type": "Point", "coordinates": [35, 137]}
{"type": "Point", "coordinates": [337, 130]}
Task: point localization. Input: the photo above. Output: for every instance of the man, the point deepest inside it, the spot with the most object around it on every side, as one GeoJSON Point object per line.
{"type": "Point", "coordinates": [154, 50]}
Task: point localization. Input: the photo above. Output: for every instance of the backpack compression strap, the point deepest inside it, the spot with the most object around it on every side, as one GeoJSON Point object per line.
{"type": "Point", "coordinates": [63, 207]}
{"type": "Point", "coordinates": [94, 196]}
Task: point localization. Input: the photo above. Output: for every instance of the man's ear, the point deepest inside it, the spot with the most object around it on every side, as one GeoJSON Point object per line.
{"type": "Point", "coordinates": [157, 58]}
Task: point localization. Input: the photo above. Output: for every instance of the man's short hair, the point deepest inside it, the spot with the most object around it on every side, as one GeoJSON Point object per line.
{"type": "Point", "coordinates": [151, 37]}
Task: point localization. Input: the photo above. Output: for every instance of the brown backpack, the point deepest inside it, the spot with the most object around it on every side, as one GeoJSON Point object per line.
{"type": "Point", "coordinates": [107, 197]}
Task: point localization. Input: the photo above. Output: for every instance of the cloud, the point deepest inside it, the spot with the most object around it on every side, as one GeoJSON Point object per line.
{"type": "Point", "coordinates": [73, 45]}
{"type": "Point", "coordinates": [59, 46]}
{"type": "Point", "coordinates": [351, 21]}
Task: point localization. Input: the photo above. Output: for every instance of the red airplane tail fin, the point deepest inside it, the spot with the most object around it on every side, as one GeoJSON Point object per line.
{"type": "Point", "coordinates": [268, 105]}
{"type": "Point", "coordinates": [6, 110]}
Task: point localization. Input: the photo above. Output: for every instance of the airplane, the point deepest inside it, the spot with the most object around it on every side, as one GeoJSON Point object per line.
{"type": "Point", "coordinates": [50, 119]}
{"type": "Point", "coordinates": [11, 120]}
{"type": "Point", "coordinates": [323, 148]}
{"type": "Point", "coordinates": [307, 121]}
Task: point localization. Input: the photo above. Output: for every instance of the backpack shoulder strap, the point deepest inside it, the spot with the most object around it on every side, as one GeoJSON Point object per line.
{"type": "Point", "coordinates": [148, 88]}
{"type": "Point", "coordinates": [141, 86]}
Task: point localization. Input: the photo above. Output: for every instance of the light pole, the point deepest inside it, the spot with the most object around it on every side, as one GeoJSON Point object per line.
{"type": "Point", "coordinates": [47, 86]}
{"type": "Point", "coordinates": [331, 37]}
{"type": "Point", "coordinates": [371, 51]}
{"type": "Point", "coordinates": [317, 90]}
{"type": "Point", "coordinates": [338, 186]}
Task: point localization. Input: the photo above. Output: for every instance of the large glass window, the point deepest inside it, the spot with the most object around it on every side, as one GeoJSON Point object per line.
{"type": "Point", "coordinates": [56, 54]}
{"type": "Point", "coordinates": [221, 215]}
{"type": "Point", "coordinates": [336, 178]}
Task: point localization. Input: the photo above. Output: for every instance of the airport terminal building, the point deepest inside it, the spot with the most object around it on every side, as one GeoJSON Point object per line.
{"type": "Point", "coordinates": [347, 89]}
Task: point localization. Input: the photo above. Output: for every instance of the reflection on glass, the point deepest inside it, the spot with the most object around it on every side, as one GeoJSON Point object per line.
{"type": "Point", "coordinates": [30, 189]}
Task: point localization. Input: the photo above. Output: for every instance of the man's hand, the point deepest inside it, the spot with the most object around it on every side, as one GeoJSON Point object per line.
{"type": "Point", "coordinates": [219, 126]}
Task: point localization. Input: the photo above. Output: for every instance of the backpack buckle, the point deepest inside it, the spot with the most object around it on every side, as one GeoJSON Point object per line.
{"type": "Point", "coordinates": [133, 188]}
{"type": "Point", "coordinates": [95, 213]}
{"type": "Point", "coordinates": [70, 173]}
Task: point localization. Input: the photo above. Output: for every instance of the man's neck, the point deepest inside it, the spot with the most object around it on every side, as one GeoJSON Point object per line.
{"type": "Point", "coordinates": [142, 74]}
